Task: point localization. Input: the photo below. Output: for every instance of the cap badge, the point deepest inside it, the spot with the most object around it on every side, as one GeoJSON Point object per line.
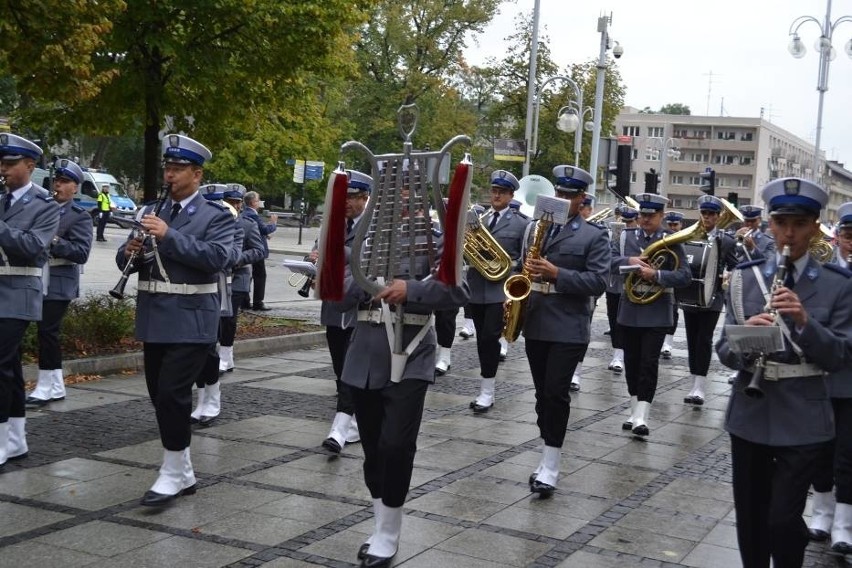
{"type": "Point", "coordinates": [4, 139]}
{"type": "Point", "coordinates": [502, 174]}
{"type": "Point", "coordinates": [791, 187]}
{"type": "Point", "coordinates": [63, 163]}
{"type": "Point", "coordinates": [174, 141]}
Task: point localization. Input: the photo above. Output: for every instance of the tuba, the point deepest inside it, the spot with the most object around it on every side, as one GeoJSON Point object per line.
{"type": "Point", "coordinates": [483, 252]}
{"type": "Point", "coordinates": [660, 256]}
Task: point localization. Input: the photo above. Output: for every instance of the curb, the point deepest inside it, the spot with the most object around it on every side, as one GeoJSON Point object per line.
{"type": "Point", "coordinates": [111, 364]}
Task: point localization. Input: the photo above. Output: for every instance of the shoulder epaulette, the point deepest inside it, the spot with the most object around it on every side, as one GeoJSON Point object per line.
{"type": "Point", "coordinates": [437, 232]}
{"type": "Point", "coordinates": [598, 226]}
{"type": "Point", "coordinates": [46, 198]}
{"type": "Point", "coordinates": [838, 269]}
{"type": "Point", "coordinates": [77, 209]}
{"type": "Point", "coordinates": [750, 263]}
{"type": "Point", "coordinates": [522, 215]}
{"type": "Point", "coordinates": [217, 205]}
{"type": "Point", "coordinates": [630, 228]}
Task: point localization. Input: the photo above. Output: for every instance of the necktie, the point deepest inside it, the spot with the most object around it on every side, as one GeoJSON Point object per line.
{"type": "Point", "coordinates": [554, 230]}
{"type": "Point", "coordinates": [493, 222]}
{"type": "Point", "coordinates": [789, 279]}
{"type": "Point", "coordinates": [7, 201]}
{"type": "Point", "coordinates": [175, 211]}
{"type": "Point", "coordinates": [349, 224]}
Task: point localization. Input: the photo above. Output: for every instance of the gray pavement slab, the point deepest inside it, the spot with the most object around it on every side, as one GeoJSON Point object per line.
{"type": "Point", "coordinates": [270, 496]}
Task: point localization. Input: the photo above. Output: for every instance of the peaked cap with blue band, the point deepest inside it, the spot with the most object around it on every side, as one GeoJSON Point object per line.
{"type": "Point", "coordinates": [65, 168]}
{"type": "Point", "coordinates": [358, 182]}
{"type": "Point", "coordinates": [628, 212]}
{"type": "Point", "coordinates": [673, 217]}
{"type": "Point", "coordinates": [504, 180]}
{"type": "Point", "coordinates": [589, 201]}
{"type": "Point", "coordinates": [709, 203]}
{"type": "Point", "coordinates": [571, 179]}
{"type": "Point", "coordinates": [794, 196]}
{"type": "Point", "coordinates": [844, 215]}
{"type": "Point", "coordinates": [180, 149]}
{"type": "Point", "coordinates": [213, 191]}
{"type": "Point", "coordinates": [14, 147]}
{"type": "Point", "coordinates": [235, 191]}
{"type": "Point", "coordinates": [751, 211]}
{"type": "Point", "coordinates": [651, 202]}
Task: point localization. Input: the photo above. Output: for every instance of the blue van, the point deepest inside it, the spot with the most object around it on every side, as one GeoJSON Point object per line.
{"type": "Point", "coordinates": [87, 191]}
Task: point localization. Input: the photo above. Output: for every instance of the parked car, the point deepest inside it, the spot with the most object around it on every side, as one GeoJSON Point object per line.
{"type": "Point", "coordinates": [87, 191]}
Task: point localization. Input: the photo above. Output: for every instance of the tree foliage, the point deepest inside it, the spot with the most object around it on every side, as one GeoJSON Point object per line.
{"type": "Point", "coordinates": [675, 108]}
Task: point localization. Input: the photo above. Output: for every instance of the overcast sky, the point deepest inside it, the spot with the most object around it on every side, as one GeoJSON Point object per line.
{"type": "Point", "coordinates": [671, 47]}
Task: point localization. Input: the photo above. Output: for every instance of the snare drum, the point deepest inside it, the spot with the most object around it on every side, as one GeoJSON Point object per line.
{"type": "Point", "coordinates": [703, 260]}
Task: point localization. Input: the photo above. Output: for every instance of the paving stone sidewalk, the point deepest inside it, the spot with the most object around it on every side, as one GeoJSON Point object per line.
{"type": "Point", "coordinates": [269, 496]}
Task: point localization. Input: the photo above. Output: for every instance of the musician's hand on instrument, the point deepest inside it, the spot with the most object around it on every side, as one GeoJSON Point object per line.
{"type": "Point", "coordinates": [638, 261]}
{"type": "Point", "coordinates": [787, 303]}
{"type": "Point", "coordinates": [313, 256]}
{"type": "Point", "coordinates": [155, 226]}
{"type": "Point", "coordinates": [762, 318]}
{"type": "Point", "coordinates": [749, 243]}
{"type": "Point", "coordinates": [647, 273]}
{"type": "Point", "coordinates": [133, 246]}
{"type": "Point", "coordinates": [394, 293]}
{"type": "Point", "coordinates": [542, 267]}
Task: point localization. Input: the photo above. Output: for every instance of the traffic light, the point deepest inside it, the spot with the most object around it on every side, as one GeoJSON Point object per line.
{"type": "Point", "coordinates": [708, 181]}
{"type": "Point", "coordinates": [652, 181]}
{"type": "Point", "coordinates": [733, 198]}
{"type": "Point", "coordinates": [621, 171]}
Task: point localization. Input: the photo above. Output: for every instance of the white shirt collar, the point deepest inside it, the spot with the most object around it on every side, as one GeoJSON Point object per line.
{"type": "Point", "coordinates": [186, 201]}
{"type": "Point", "coordinates": [18, 193]}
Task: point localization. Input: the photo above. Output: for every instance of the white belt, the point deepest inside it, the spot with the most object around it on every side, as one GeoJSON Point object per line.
{"type": "Point", "coordinates": [229, 279]}
{"type": "Point", "coordinates": [642, 288]}
{"type": "Point", "coordinates": [61, 262]}
{"type": "Point", "coordinates": [543, 287]}
{"type": "Point", "coordinates": [375, 317]}
{"type": "Point", "coordinates": [775, 371]}
{"type": "Point", "coordinates": [20, 271]}
{"type": "Point", "coordinates": [159, 287]}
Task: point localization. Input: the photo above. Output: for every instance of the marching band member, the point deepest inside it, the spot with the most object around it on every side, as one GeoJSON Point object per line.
{"type": "Point", "coordinates": [674, 223]}
{"type": "Point", "coordinates": [339, 324]}
{"type": "Point", "coordinates": [755, 242]}
{"type": "Point", "coordinates": [645, 325]}
{"type": "Point", "coordinates": [572, 269]}
{"type": "Point", "coordinates": [777, 438]}
{"type": "Point", "coordinates": [69, 249]}
{"type": "Point", "coordinates": [28, 221]}
{"type": "Point", "coordinates": [701, 322]}
{"type": "Point", "coordinates": [209, 403]}
{"type": "Point", "coordinates": [586, 208]}
{"type": "Point", "coordinates": [508, 228]}
{"type": "Point", "coordinates": [614, 288]}
{"type": "Point", "coordinates": [832, 515]}
{"type": "Point", "coordinates": [177, 308]}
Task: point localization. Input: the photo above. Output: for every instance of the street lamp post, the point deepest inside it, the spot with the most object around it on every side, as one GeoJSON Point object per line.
{"type": "Point", "coordinates": [617, 51]}
{"type": "Point", "coordinates": [570, 117]}
{"type": "Point", "coordinates": [662, 147]}
{"type": "Point", "coordinates": [531, 80]}
{"type": "Point", "coordinates": [578, 100]}
{"type": "Point", "coordinates": [826, 54]}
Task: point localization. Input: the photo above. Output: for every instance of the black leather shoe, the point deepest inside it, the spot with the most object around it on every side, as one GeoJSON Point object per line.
{"type": "Point", "coordinates": [362, 551]}
{"type": "Point", "coordinates": [207, 420]}
{"type": "Point", "coordinates": [627, 425]}
{"type": "Point", "coordinates": [193, 420]}
{"type": "Point", "coordinates": [502, 357]}
{"type": "Point", "coordinates": [331, 445]}
{"type": "Point", "coordinates": [371, 561]}
{"type": "Point", "coordinates": [641, 430]}
{"type": "Point", "coordinates": [36, 402]}
{"type": "Point", "coordinates": [154, 499]}
{"type": "Point", "coordinates": [818, 535]}
{"type": "Point", "coordinates": [531, 480]}
{"type": "Point", "coordinates": [479, 409]}
{"type": "Point", "coordinates": [20, 457]}
{"type": "Point", "coordinates": [608, 332]}
{"type": "Point", "coordinates": [261, 308]}
{"type": "Point", "coordinates": [543, 489]}
{"type": "Point", "coordinates": [841, 548]}
{"type": "Point", "coordinates": [574, 387]}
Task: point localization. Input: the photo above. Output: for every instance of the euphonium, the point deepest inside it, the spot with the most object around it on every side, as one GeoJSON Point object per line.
{"type": "Point", "coordinates": [483, 252]}
{"type": "Point", "coordinates": [600, 215]}
{"type": "Point", "coordinates": [819, 248]}
{"type": "Point", "coordinates": [518, 286]}
{"type": "Point", "coordinates": [659, 255]}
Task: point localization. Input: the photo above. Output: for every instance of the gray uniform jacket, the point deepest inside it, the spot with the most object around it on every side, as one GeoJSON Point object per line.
{"type": "Point", "coordinates": [581, 253]}
{"type": "Point", "coordinates": [228, 272]}
{"type": "Point", "coordinates": [72, 244]}
{"type": "Point", "coordinates": [264, 228]}
{"type": "Point", "coordinates": [658, 313]}
{"type": "Point", "coordinates": [615, 282]}
{"type": "Point", "coordinates": [727, 260]}
{"type": "Point", "coordinates": [195, 249]}
{"type": "Point", "coordinates": [509, 233]}
{"type": "Point", "coordinates": [793, 411]}
{"type": "Point", "coordinates": [331, 313]}
{"type": "Point", "coordinates": [369, 367]}
{"type": "Point", "coordinates": [25, 233]}
{"type": "Point", "coordinates": [252, 252]}
{"type": "Point", "coordinates": [764, 247]}
{"type": "Point", "coordinates": [840, 382]}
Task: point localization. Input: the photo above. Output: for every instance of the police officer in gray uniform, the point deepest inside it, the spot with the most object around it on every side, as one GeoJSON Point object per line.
{"type": "Point", "coordinates": [571, 270]}
{"type": "Point", "coordinates": [753, 243]}
{"type": "Point", "coordinates": [69, 250]}
{"type": "Point", "coordinates": [614, 288]}
{"type": "Point", "coordinates": [778, 438]}
{"type": "Point", "coordinates": [28, 221]}
{"type": "Point", "coordinates": [832, 515]}
{"type": "Point", "coordinates": [645, 325]}
{"type": "Point", "coordinates": [508, 228]}
{"type": "Point", "coordinates": [339, 324]}
{"type": "Point", "coordinates": [177, 309]}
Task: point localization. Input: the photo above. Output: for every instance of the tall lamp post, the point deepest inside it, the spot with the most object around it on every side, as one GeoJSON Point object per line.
{"type": "Point", "coordinates": [531, 80]}
{"type": "Point", "coordinates": [617, 51]}
{"type": "Point", "coordinates": [826, 54]}
{"type": "Point", "coordinates": [570, 117]}
{"type": "Point", "coordinates": [578, 100]}
{"type": "Point", "coordinates": [662, 147]}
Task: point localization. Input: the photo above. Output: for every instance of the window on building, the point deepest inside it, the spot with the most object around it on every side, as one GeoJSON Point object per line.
{"type": "Point", "coordinates": [632, 177]}
{"type": "Point", "coordinates": [635, 153]}
{"type": "Point", "coordinates": [677, 180]}
{"type": "Point", "coordinates": [745, 161]}
{"type": "Point", "coordinates": [747, 136]}
{"type": "Point", "coordinates": [630, 130]}
{"type": "Point", "coordinates": [656, 131]}
{"type": "Point", "coordinates": [651, 155]}
{"type": "Point", "coordinates": [694, 180]}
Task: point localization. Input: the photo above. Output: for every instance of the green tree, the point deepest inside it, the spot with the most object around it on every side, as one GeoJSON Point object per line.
{"type": "Point", "coordinates": [211, 68]}
{"type": "Point", "coordinates": [675, 108]}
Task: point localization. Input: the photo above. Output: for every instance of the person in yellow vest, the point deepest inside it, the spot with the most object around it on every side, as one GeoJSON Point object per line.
{"type": "Point", "coordinates": [105, 208]}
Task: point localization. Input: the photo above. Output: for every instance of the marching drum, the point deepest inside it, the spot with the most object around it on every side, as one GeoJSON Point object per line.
{"type": "Point", "coordinates": [703, 260]}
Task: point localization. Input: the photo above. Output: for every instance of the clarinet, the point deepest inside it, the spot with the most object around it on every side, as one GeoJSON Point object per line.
{"type": "Point", "coordinates": [118, 291]}
{"type": "Point", "coordinates": [753, 388]}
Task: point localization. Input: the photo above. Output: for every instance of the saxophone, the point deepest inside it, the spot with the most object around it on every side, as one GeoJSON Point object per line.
{"type": "Point", "coordinates": [518, 286]}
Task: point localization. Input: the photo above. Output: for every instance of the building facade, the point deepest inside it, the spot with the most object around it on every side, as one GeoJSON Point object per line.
{"type": "Point", "coordinates": [745, 154]}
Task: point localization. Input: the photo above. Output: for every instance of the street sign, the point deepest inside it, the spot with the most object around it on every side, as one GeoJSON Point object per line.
{"type": "Point", "coordinates": [625, 139]}
{"type": "Point", "coordinates": [299, 172]}
{"type": "Point", "coordinates": [314, 170]}
{"type": "Point", "coordinates": [510, 150]}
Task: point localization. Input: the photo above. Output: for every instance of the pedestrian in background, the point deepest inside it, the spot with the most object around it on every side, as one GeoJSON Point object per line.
{"type": "Point", "coordinates": [258, 269]}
